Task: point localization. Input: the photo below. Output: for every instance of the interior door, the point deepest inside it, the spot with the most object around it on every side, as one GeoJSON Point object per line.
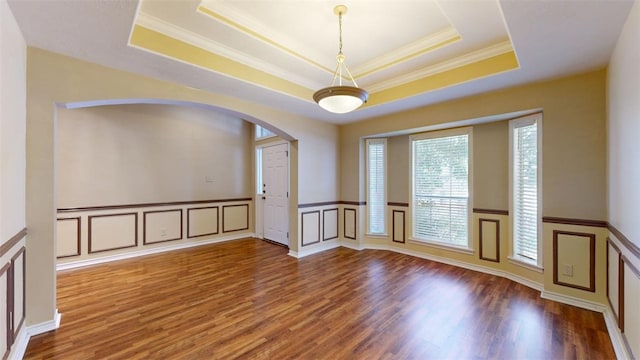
{"type": "Point", "coordinates": [275, 189]}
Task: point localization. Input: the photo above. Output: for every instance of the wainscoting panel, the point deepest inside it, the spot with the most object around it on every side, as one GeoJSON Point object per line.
{"type": "Point", "coordinates": [162, 225]}
{"type": "Point", "coordinates": [112, 232]}
{"type": "Point", "coordinates": [235, 218]}
{"type": "Point", "coordinates": [310, 223]}
{"type": "Point", "coordinates": [613, 278]}
{"type": "Point", "coordinates": [574, 257]}
{"type": "Point", "coordinates": [68, 232]}
{"type": "Point", "coordinates": [4, 316]}
{"type": "Point", "coordinates": [489, 231]}
{"type": "Point", "coordinates": [18, 264]}
{"type": "Point", "coordinates": [329, 224]}
{"type": "Point", "coordinates": [630, 310]}
{"type": "Point", "coordinates": [202, 221]}
{"type": "Point", "coordinates": [398, 226]}
{"type": "Point", "coordinates": [350, 225]}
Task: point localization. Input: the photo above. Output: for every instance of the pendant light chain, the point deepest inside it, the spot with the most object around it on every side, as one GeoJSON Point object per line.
{"type": "Point", "coordinates": [340, 32]}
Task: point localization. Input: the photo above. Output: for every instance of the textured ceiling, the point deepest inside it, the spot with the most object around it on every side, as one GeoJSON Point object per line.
{"type": "Point", "coordinates": [405, 53]}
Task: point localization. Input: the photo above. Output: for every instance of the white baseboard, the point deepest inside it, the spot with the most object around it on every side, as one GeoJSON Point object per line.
{"type": "Point", "coordinates": [128, 255]}
{"type": "Point", "coordinates": [615, 335]}
{"type": "Point", "coordinates": [526, 282]}
{"type": "Point", "coordinates": [570, 300]}
{"type": "Point", "coordinates": [314, 249]}
{"type": "Point", "coordinates": [22, 340]}
{"type": "Point", "coordinates": [350, 244]}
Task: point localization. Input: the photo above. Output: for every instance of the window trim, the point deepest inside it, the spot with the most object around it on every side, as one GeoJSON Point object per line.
{"type": "Point", "coordinates": [467, 130]}
{"type": "Point", "coordinates": [513, 257]}
{"type": "Point", "coordinates": [385, 226]}
{"type": "Point", "coordinates": [257, 127]}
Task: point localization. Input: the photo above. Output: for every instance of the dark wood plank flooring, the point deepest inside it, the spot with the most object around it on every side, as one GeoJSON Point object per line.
{"type": "Point", "coordinates": [248, 299]}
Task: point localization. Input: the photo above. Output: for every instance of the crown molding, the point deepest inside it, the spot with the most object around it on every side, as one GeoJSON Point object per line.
{"type": "Point", "coordinates": [466, 59]}
{"type": "Point", "coordinates": [191, 38]}
{"type": "Point", "coordinates": [407, 52]}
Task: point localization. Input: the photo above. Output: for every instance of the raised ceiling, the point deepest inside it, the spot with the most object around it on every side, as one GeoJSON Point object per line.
{"type": "Point", "coordinates": [278, 53]}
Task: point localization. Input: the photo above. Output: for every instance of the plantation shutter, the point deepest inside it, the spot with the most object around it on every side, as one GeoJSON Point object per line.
{"type": "Point", "coordinates": [525, 191]}
{"type": "Point", "coordinates": [376, 182]}
{"type": "Point", "coordinates": [441, 189]}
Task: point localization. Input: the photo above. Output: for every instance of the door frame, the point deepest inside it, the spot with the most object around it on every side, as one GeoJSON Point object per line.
{"type": "Point", "coordinates": [257, 168]}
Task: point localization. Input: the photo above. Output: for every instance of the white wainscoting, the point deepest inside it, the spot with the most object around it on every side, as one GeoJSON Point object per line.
{"type": "Point", "coordinates": [89, 235]}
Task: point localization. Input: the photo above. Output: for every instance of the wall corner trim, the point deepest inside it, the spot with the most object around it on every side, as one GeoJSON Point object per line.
{"type": "Point", "coordinates": [615, 335]}
{"type": "Point", "coordinates": [571, 300]}
{"type": "Point", "coordinates": [25, 334]}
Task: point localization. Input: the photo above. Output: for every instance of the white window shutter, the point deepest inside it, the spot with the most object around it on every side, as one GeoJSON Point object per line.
{"type": "Point", "coordinates": [441, 189]}
{"type": "Point", "coordinates": [525, 191]}
{"type": "Point", "coordinates": [376, 181]}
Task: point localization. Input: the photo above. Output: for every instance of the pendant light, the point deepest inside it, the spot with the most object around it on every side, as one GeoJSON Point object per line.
{"type": "Point", "coordinates": [340, 98]}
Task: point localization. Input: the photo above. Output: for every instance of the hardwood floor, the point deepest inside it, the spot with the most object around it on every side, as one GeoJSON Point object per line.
{"type": "Point", "coordinates": [249, 299]}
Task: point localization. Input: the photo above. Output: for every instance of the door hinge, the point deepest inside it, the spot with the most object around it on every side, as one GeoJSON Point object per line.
{"type": "Point", "coordinates": [287, 234]}
{"type": "Point", "coordinates": [287, 194]}
{"type": "Point", "coordinates": [286, 152]}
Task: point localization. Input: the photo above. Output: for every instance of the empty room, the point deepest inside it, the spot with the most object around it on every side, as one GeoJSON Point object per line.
{"type": "Point", "coordinates": [209, 179]}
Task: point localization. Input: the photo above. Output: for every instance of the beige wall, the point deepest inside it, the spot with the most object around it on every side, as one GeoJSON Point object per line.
{"type": "Point", "coordinates": [55, 79]}
{"type": "Point", "coordinates": [623, 129]}
{"type": "Point", "coordinates": [136, 154]}
{"type": "Point", "coordinates": [573, 148]}
{"type": "Point", "coordinates": [13, 72]}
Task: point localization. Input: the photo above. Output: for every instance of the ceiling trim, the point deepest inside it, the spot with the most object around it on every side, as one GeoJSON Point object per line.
{"type": "Point", "coordinates": [466, 68]}
{"type": "Point", "coordinates": [405, 53]}
{"type": "Point", "coordinates": [171, 30]}
{"type": "Point", "coordinates": [466, 59]}
{"type": "Point", "coordinates": [425, 45]}
{"type": "Point", "coordinates": [206, 11]}
{"type": "Point", "coordinates": [465, 73]}
{"type": "Point", "coordinates": [161, 44]}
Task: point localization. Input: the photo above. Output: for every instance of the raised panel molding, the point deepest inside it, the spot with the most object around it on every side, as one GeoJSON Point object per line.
{"type": "Point", "coordinates": [329, 224]}
{"type": "Point", "coordinates": [310, 227]}
{"type": "Point", "coordinates": [489, 240]}
{"type": "Point", "coordinates": [18, 272]}
{"type": "Point", "coordinates": [203, 221]}
{"type": "Point", "coordinates": [630, 315]}
{"type": "Point", "coordinates": [235, 217]}
{"type": "Point", "coordinates": [75, 237]}
{"type": "Point", "coordinates": [398, 226]}
{"type": "Point", "coordinates": [100, 227]}
{"type": "Point", "coordinates": [151, 227]}
{"type": "Point", "coordinates": [350, 226]}
{"type": "Point", "coordinates": [614, 258]}
{"type": "Point", "coordinates": [572, 258]}
{"type": "Point", "coordinates": [5, 297]}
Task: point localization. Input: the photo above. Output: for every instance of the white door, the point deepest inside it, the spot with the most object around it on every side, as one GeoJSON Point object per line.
{"type": "Point", "coordinates": [275, 192]}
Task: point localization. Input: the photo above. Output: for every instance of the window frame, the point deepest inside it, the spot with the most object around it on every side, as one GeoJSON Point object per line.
{"type": "Point", "coordinates": [468, 130]}
{"type": "Point", "coordinates": [262, 137]}
{"type": "Point", "coordinates": [513, 257]}
{"type": "Point", "coordinates": [384, 232]}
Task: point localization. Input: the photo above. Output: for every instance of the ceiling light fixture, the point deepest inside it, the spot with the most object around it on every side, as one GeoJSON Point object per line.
{"type": "Point", "coordinates": [340, 98]}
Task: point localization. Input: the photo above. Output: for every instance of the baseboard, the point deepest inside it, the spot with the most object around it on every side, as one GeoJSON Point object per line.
{"type": "Point", "coordinates": [615, 335]}
{"type": "Point", "coordinates": [483, 269]}
{"type": "Point", "coordinates": [570, 300]}
{"type": "Point", "coordinates": [133, 254]}
{"type": "Point", "coordinates": [314, 249]}
{"type": "Point", "coordinates": [22, 340]}
{"type": "Point", "coordinates": [351, 245]}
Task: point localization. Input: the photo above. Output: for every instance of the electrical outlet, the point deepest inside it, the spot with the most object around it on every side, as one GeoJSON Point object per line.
{"type": "Point", "coordinates": [208, 179]}
{"type": "Point", "coordinates": [567, 270]}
